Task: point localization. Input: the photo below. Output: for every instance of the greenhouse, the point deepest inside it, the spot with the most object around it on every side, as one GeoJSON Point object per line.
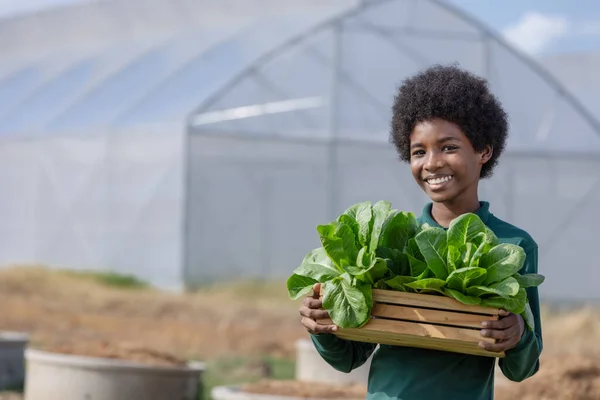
{"type": "Point", "coordinates": [194, 141]}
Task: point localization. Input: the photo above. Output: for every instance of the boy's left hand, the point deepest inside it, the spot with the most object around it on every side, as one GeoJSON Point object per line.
{"type": "Point", "coordinates": [508, 330]}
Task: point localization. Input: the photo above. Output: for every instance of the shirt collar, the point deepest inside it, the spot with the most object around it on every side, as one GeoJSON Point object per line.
{"type": "Point", "coordinates": [483, 213]}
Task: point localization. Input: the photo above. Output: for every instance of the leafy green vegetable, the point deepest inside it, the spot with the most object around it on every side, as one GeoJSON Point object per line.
{"type": "Point", "coordinates": [339, 242]}
{"type": "Point", "coordinates": [463, 298]}
{"type": "Point", "coordinates": [299, 285]}
{"type": "Point", "coordinates": [432, 284]}
{"type": "Point", "coordinates": [412, 248]}
{"type": "Point", "coordinates": [397, 261]}
{"type": "Point", "coordinates": [416, 266]}
{"type": "Point", "coordinates": [465, 277]}
{"type": "Point", "coordinates": [361, 215]}
{"type": "Point", "coordinates": [400, 283]}
{"type": "Point", "coordinates": [381, 212]}
{"type": "Point", "coordinates": [506, 288]}
{"type": "Point", "coordinates": [529, 280]}
{"type": "Point", "coordinates": [528, 317]}
{"type": "Point", "coordinates": [433, 245]}
{"type": "Point", "coordinates": [373, 273]}
{"type": "Point", "coordinates": [502, 261]}
{"type": "Point", "coordinates": [464, 229]}
{"type": "Point", "coordinates": [347, 303]}
{"type": "Point", "coordinates": [373, 246]}
{"type": "Point", "coordinates": [515, 305]}
{"type": "Point", "coordinates": [318, 266]}
{"type": "Point", "coordinates": [397, 232]}
{"type": "Point", "coordinates": [452, 259]}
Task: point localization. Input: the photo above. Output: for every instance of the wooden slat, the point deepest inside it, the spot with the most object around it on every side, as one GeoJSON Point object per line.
{"type": "Point", "coordinates": [429, 343]}
{"type": "Point", "coordinates": [426, 330]}
{"type": "Point", "coordinates": [414, 321]}
{"type": "Point", "coordinates": [417, 329]}
{"type": "Point", "coordinates": [429, 301]}
{"type": "Point", "coordinates": [412, 341]}
{"type": "Point", "coordinates": [430, 316]}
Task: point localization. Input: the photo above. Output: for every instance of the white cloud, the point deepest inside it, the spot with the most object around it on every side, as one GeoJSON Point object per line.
{"type": "Point", "coordinates": [535, 32]}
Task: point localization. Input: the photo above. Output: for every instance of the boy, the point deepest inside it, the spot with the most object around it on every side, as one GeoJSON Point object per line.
{"type": "Point", "coordinates": [452, 130]}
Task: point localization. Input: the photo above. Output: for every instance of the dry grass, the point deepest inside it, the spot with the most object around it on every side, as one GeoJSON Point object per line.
{"type": "Point", "coordinates": [575, 332]}
{"type": "Point", "coordinates": [216, 322]}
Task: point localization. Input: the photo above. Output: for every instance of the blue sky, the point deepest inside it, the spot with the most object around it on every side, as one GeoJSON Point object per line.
{"type": "Point", "coordinates": [541, 26]}
{"type": "Point", "coordinates": [537, 26]}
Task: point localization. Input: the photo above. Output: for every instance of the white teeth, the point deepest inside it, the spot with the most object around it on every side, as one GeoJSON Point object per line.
{"type": "Point", "coordinates": [437, 181]}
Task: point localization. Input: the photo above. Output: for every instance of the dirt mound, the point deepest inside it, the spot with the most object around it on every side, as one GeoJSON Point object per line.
{"type": "Point", "coordinates": [559, 378]}
{"type": "Point", "coordinates": [120, 351]}
{"type": "Point", "coordinates": [306, 390]}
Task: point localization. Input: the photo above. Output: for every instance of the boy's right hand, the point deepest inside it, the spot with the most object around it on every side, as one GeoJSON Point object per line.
{"type": "Point", "coordinates": [310, 311]}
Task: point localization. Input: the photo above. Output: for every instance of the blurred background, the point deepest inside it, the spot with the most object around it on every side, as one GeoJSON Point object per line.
{"type": "Point", "coordinates": [164, 164]}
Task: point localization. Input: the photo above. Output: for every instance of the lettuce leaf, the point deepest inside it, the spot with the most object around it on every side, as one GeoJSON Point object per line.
{"type": "Point", "coordinates": [433, 245]}
{"type": "Point", "coordinates": [502, 261]}
{"type": "Point", "coordinates": [348, 304]}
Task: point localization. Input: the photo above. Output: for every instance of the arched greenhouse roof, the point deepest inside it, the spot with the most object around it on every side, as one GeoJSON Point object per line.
{"type": "Point", "coordinates": [282, 68]}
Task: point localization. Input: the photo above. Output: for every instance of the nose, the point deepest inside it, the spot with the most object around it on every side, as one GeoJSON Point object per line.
{"type": "Point", "coordinates": [434, 161]}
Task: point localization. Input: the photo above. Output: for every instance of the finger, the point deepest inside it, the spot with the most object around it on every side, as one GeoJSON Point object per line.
{"type": "Point", "coordinates": [511, 333]}
{"type": "Point", "coordinates": [503, 313]}
{"type": "Point", "coordinates": [314, 314]}
{"type": "Point", "coordinates": [313, 303]}
{"type": "Point", "coordinates": [503, 323]}
{"type": "Point", "coordinates": [503, 345]}
{"type": "Point", "coordinates": [506, 339]}
{"type": "Point", "coordinates": [314, 327]}
{"type": "Point", "coordinates": [498, 334]}
{"type": "Point", "coordinates": [309, 324]}
{"type": "Point", "coordinates": [316, 290]}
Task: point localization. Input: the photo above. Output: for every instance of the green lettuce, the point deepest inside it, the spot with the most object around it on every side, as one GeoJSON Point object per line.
{"type": "Point", "coordinates": [374, 246]}
{"type": "Point", "coordinates": [477, 269]}
{"type": "Point", "coordinates": [363, 248]}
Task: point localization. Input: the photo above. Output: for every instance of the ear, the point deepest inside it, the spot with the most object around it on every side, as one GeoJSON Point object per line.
{"type": "Point", "coordinates": [486, 154]}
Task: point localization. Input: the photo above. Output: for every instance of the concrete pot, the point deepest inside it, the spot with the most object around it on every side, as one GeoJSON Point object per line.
{"type": "Point", "coordinates": [310, 367]}
{"type": "Point", "coordinates": [52, 376]}
{"type": "Point", "coordinates": [12, 359]}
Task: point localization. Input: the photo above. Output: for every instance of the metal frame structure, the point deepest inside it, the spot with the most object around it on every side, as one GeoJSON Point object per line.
{"type": "Point", "coordinates": [280, 102]}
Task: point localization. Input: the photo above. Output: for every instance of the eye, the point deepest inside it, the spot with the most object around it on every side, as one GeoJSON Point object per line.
{"type": "Point", "coordinates": [417, 153]}
{"type": "Point", "coordinates": [449, 147]}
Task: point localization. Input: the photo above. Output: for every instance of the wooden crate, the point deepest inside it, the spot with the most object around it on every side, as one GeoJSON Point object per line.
{"type": "Point", "coordinates": [425, 321]}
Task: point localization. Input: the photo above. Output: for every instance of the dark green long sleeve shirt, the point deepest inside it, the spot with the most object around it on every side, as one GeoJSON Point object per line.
{"type": "Point", "coordinates": [406, 373]}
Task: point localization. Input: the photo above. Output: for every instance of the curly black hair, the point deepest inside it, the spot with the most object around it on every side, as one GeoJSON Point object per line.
{"type": "Point", "coordinates": [455, 95]}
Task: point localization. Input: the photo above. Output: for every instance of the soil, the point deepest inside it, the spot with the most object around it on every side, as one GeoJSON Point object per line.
{"type": "Point", "coordinates": [559, 378]}
{"type": "Point", "coordinates": [75, 315]}
{"type": "Point", "coordinates": [306, 390]}
{"type": "Point", "coordinates": [120, 351]}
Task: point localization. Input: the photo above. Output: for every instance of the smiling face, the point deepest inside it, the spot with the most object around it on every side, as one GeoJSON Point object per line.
{"type": "Point", "coordinates": [444, 163]}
